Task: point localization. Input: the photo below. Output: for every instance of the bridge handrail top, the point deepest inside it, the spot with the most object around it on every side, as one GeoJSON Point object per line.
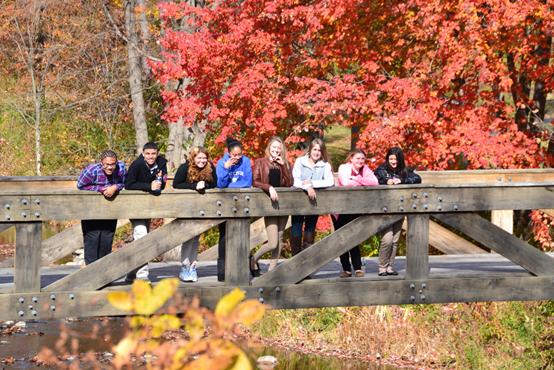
{"type": "Point", "coordinates": [422, 172]}
{"type": "Point", "coordinates": [291, 189]}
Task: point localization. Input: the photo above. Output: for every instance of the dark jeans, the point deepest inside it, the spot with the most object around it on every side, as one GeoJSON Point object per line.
{"type": "Point", "coordinates": [354, 253]}
{"type": "Point", "coordinates": [97, 238]}
{"type": "Point", "coordinates": [221, 253]}
{"type": "Point", "coordinates": [309, 222]}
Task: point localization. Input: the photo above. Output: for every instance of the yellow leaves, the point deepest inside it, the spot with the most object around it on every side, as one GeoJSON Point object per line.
{"type": "Point", "coordinates": [229, 302]}
{"type": "Point", "coordinates": [194, 324]}
{"type": "Point", "coordinates": [204, 349]}
{"type": "Point", "coordinates": [248, 312]}
{"type": "Point", "coordinates": [143, 299]}
{"type": "Point", "coordinates": [121, 300]}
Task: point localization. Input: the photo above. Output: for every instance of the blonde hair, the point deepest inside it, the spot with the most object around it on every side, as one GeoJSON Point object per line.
{"type": "Point", "coordinates": [352, 154]}
{"type": "Point", "coordinates": [283, 149]}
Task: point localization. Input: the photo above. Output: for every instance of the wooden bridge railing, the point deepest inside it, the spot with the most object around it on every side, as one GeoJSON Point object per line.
{"type": "Point", "coordinates": [77, 294]}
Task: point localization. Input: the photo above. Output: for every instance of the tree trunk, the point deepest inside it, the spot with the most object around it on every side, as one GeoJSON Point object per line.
{"type": "Point", "coordinates": [135, 77]}
{"type": "Point", "coordinates": [144, 36]}
{"type": "Point", "coordinates": [174, 152]}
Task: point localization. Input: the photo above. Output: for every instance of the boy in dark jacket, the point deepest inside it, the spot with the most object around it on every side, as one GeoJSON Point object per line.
{"type": "Point", "coordinates": [147, 173]}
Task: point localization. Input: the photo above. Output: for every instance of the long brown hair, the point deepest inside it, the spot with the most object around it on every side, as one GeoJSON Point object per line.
{"type": "Point", "coordinates": [195, 173]}
{"type": "Point", "coordinates": [321, 143]}
{"type": "Point", "coordinates": [283, 149]}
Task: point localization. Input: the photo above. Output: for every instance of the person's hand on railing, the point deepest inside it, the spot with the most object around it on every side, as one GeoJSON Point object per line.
{"type": "Point", "coordinates": [273, 194]}
{"type": "Point", "coordinates": [311, 193]}
{"type": "Point", "coordinates": [109, 191]}
{"type": "Point", "coordinates": [200, 185]}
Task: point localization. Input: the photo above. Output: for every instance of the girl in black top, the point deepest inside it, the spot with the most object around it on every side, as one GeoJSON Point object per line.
{"type": "Point", "coordinates": [197, 173]}
{"type": "Point", "coordinates": [393, 172]}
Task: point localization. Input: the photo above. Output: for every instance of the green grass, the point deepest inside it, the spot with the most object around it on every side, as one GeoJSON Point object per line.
{"type": "Point", "coordinates": [337, 140]}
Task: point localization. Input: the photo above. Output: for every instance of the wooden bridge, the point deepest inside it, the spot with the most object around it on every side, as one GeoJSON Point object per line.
{"type": "Point", "coordinates": [446, 201]}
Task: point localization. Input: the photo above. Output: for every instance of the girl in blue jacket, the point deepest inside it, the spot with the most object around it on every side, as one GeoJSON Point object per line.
{"type": "Point", "coordinates": [234, 170]}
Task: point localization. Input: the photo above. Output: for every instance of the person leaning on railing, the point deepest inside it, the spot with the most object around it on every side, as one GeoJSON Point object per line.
{"type": "Point", "coordinates": [311, 171]}
{"type": "Point", "coordinates": [147, 173]}
{"type": "Point", "coordinates": [233, 171]}
{"type": "Point", "coordinates": [353, 172]}
{"type": "Point", "coordinates": [393, 172]}
{"type": "Point", "coordinates": [108, 178]}
{"type": "Point", "coordinates": [270, 172]}
{"type": "Point", "coordinates": [197, 173]}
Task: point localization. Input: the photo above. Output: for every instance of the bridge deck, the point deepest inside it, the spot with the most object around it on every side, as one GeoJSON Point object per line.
{"type": "Point", "coordinates": [467, 266]}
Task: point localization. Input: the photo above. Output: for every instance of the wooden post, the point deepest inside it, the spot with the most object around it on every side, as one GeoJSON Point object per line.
{"type": "Point", "coordinates": [504, 219]}
{"type": "Point", "coordinates": [237, 249]}
{"type": "Point", "coordinates": [417, 250]}
{"type": "Point", "coordinates": [27, 257]}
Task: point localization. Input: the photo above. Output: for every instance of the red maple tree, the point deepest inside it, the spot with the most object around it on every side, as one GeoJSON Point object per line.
{"type": "Point", "coordinates": [458, 84]}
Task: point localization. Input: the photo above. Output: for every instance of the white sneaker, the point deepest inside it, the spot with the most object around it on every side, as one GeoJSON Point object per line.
{"type": "Point", "coordinates": [184, 275]}
{"type": "Point", "coordinates": [193, 275]}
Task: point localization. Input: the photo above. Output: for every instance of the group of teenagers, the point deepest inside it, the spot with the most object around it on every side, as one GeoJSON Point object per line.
{"type": "Point", "coordinates": [310, 172]}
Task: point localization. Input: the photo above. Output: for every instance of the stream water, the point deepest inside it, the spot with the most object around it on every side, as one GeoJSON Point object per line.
{"type": "Point", "coordinates": [24, 345]}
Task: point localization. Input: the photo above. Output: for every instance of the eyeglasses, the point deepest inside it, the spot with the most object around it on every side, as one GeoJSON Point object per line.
{"type": "Point", "coordinates": [109, 165]}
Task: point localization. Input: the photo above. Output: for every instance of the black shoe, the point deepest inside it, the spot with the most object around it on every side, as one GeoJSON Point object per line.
{"type": "Point", "coordinates": [392, 273]}
{"type": "Point", "coordinates": [384, 273]}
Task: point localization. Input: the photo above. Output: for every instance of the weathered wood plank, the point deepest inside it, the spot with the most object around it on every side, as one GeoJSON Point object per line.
{"type": "Point", "coordinates": [258, 236]}
{"type": "Point", "coordinates": [311, 259]}
{"type": "Point", "coordinates": [27, 257]}
{"type": "Point", "coordinates": [237, 249]}
{"type": "Point", "coordinates": [417, 249]}
{"type": "Point", "coordinates": [504, 219]}
{"type": "Point", "coordinates": [359, 292]}
{"type": "Point", "coordinates": [222, 203]}
{"type": "Point", "coordinates": [133, 255]}
{"type": "Point", "coordinates": [501, 242]}
{"type": "Point", "coordinates": [449, 243]}
{"type": "Point", "coordinates": [60, 245]}
{"type": "Point", "coordinates": [4, 227]}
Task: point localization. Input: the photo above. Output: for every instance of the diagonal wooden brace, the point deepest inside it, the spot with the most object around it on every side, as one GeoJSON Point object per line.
{"type": "Point", "coordinates": [327, 249]}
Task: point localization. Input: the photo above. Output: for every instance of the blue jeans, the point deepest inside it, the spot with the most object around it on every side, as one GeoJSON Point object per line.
{"type": "Point", "coordinates": [308, 222]}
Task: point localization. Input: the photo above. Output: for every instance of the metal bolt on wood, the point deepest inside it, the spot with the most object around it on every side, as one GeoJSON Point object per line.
{"type": "Point", "coordinates": [20, 313]}
{"type": "Point", "coordinates": [37, 214]}
{"type": "Point", "coordinates": [422, 297]}
{"type": "Point", "coordinates": [385, 209]}
{"type": "Point", "coordinates": [37, 202]}
{"type": "Point", "coordinates": [52, 308]}
{"type": "Point", "coordinates": [423, 286]}
{"type": "Point", "coordinates": [278, 290]}
{"type": "Point", "coordinates": [439, 208]}
{"type": "Point", "coordinates": [247, 198]}
{"type": "Point", "coordinates": [455, 207]}
{"type": "Point", "coordinates": [24, 214]}
{"type": "Point", "coordinates": [412, 298]}
{"type": "Point", "coordinates": [7, 206]}
{"type": "Point", "coordinates": [30, 306]}
{"type": "Point", "coordinates": [414, 206]}
{"type": "Point", "coordinates": [414, 195]}
{"type": "Point", "coordinates": [53, 297]}
{"type": "Point", "coordinates": [218, 213]}
{"type": "Point", "coordinates": [202, 213]}
{"type": "Point", "coordinates": [247, 210]}
{"type": "Point", "coordinates": [24, 202]}
{"type": "Point", "coordinates": [72, 296]}
{"type": "Point", "coordinates": [425, 206]}
{"type": "Point", "coordinates": [401, 199]}
{"type": "Point", "coordinates": [235, 198]}
{"type": "Point", "coordinates": [440, 199]}
{"type": "Point", "coordinates": [34, 313]}
{"type": "Point", "coordinates": [8, 217]}
{"type": "Point", "coordinates": [261, 290]}
{"type": "Point", "coordinates": [34, 299]}
{"type": "Point", "coordinates": [425, 195]}
{"type": "Point", "coordinates": [21, 300]}
{"type": "Point", "coordinates": [401, 209]}
{"type": "Point", "coordinates": [261, 300]}
{"type": "Point", "coordinates": [412, 286]}
{"type": "Point", "coordinates": [219, 203]}
{"type": "Point", "coordinates": [235, 209]}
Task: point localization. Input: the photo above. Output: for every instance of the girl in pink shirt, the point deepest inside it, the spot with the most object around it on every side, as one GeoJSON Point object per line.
{"type": "Point", "coordinates": [354, 172]}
